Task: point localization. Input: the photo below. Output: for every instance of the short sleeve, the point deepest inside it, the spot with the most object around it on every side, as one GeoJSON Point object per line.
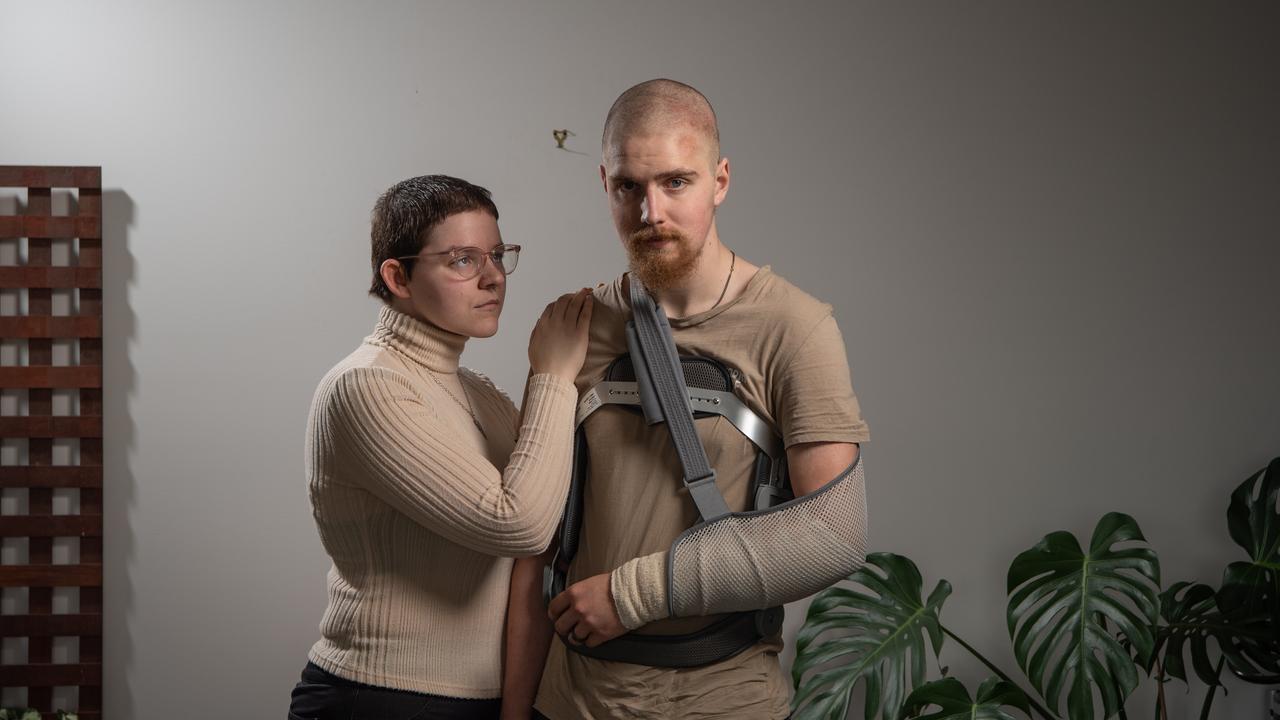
{"type": "Point", "coordinates": [813, 394]}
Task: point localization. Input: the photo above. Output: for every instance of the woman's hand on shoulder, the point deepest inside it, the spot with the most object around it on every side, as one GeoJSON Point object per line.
{"type": "Point", "coordinates": [558, 344]}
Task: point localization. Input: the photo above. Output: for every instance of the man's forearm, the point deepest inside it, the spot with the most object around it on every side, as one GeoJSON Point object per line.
{"type": "Point", "coordinates": [528, 636]}
{"type": "Point", "coordinates": [753, 560]}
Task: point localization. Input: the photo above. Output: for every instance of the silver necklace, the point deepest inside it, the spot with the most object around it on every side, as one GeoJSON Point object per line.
{"type": "Point", "coordinates": [455, 399]}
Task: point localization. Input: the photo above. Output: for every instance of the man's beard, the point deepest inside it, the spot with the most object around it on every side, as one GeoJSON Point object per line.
{"type": "Point", "coordinates": [661, 268]}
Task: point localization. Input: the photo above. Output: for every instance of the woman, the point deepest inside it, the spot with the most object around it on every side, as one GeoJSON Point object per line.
{"type": "Point", "coordinates": [424, 479]}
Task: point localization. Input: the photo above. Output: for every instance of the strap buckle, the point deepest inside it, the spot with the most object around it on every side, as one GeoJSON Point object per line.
{"type": "Point", "coordinates": [707, 497]}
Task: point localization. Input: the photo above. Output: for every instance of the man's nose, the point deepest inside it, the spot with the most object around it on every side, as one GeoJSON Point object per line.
{"type": "Point", "coordinates": [651, 210]}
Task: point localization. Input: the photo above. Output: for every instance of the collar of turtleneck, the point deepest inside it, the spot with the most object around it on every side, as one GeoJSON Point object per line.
{"type": "Point", "coordinates": [420, 341]}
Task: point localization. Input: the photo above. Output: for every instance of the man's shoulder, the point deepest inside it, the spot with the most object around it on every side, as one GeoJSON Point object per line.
{"type": "Point", "coordinates": [610, 312]}
{"type": "Point", "coordinates": [610, 298]}
{"type": "Point", "coordinates": [773, 298]}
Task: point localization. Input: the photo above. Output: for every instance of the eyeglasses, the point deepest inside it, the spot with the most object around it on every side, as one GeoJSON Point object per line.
{"type": "Point", "coordinates": [467, 262]}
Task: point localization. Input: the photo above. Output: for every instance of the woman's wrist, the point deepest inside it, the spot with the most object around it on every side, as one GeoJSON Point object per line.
{"type": "Point", "coordinates": [560, 378]}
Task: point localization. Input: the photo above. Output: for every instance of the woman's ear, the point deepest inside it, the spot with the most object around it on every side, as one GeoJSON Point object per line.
{"type": "Point", "coordinates": [394, 275]}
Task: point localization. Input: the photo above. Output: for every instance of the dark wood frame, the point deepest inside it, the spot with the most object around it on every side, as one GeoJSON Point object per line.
{"type": "Point", "coordinates": [39, 327]}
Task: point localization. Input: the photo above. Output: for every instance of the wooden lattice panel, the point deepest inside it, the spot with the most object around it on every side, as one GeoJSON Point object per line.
{"type": "Point", "coordinates": [80, 333]}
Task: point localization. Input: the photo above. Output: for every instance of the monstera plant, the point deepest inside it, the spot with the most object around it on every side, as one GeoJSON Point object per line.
{"type": "Point", "coordinates": [887, 649]}
{"type": "Point", "coordinates": [954, 703]}
{"type": "Point", "coordinates": [1086, 624]}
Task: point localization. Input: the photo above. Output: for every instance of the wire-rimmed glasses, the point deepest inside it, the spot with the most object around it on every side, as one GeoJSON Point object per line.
{"type": "Point", "coordinates": [467, 262]}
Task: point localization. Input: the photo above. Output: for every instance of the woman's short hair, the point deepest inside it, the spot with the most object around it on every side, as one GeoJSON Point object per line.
{"type": "Point", "coordinates": [405, 214]}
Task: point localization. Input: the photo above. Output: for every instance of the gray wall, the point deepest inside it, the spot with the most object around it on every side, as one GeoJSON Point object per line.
{"type": "Point", "coordinates": [1049, 232]}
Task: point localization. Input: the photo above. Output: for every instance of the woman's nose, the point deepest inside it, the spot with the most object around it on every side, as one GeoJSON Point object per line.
{"type": "Point", "coordinates": [490, 273]}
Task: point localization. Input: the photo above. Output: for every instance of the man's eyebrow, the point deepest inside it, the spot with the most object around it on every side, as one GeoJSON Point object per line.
{"type": "Point", "coordinates": [678, 172]}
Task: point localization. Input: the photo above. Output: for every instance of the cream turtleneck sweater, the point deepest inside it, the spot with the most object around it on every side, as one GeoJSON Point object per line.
{"type": "Point", "coordinates": [421, 512]}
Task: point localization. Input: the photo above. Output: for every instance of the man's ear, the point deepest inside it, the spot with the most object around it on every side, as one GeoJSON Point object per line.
{"type": "Point", "coordinates": [394, 275]}
{"type": "Point", "coordinates": [722, 180]}
{"type": "Point", "coordinates": [604, 180]}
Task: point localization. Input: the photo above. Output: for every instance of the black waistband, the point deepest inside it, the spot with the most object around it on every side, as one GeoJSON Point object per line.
{"type": "Point", "coordinates": [718, 641]}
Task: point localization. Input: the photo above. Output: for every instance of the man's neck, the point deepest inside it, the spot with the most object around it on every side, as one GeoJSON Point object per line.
{"type": "Point", "coordinates": [719, 278]}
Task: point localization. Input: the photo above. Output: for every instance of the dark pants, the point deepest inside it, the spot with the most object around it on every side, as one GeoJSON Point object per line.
{"type": "Point", "coordinates": [322, 695]}
{"type": "Point", "coordinates": [539, 716]}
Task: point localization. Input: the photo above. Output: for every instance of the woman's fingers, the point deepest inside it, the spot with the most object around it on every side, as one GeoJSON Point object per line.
{"type": "Point", "coordinates": [576, 302]}
{"type": "Point", "coordinates": [575, 307]}
{"type": "Point", "coordinates": [582, 306]}
{"type": "Point", "coordinates": [566, 306]}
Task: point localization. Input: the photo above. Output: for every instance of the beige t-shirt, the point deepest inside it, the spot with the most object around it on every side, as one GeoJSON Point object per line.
{"type": "Point", "coordinates": [790, 359]}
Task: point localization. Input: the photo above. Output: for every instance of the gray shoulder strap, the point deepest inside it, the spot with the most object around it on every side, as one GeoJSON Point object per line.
{"type": "Point", "coordinates": [659, 375]}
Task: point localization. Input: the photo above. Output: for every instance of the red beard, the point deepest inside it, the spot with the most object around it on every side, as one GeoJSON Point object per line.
{"type": "Point", "coordinates": [660, 268]}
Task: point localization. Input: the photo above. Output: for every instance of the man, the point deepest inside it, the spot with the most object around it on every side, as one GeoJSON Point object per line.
{"type": "Point", "coordinates": [664, 177]}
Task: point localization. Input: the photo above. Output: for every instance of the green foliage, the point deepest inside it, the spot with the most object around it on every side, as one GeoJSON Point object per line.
{"type": "Point", "coordinates": [877, 637]}
{"type": "Point", "coordinates": [1080, 622]}
{"type": "Point", "coordinates": [1191, 619]}
{"type": "Point", "coordinates": [1250, 593]}
{"type": "Point", "coordinates": [954, 703]}
{"type": "Point", "coordinates": [1058, 597]}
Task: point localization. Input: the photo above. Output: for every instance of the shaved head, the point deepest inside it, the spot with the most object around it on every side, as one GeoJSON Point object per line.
{"type": "Point", "coordinates": [661, 106]}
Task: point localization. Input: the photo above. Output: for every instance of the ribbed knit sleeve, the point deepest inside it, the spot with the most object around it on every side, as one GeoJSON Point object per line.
{"type": "Point", "coordinates": [411, 460]}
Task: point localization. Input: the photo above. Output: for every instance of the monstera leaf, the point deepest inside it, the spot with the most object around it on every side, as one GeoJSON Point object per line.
{"type": "Point", "coordinates": [1250, 593]}
{"type": "Point", "coordinates": [1060, 601]}
{"type": "Point", "coordinates": [877, 637]}
{"type": "Point", "coordinates": [1191, 617]}
{"type": "Point", "coordinates": [954, 703]}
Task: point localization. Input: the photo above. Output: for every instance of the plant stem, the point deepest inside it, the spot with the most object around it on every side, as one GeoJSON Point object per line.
{"type": "Point", "coordinates": [1162, 710]}
{"type": "Point", "coordinates": [1208, 698]}
{"type": "Point", "coordinates": [1031, 699]}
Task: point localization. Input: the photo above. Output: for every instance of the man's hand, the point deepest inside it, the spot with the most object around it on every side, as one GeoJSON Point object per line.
{"type": "Point", "coordinates": [584, 613]}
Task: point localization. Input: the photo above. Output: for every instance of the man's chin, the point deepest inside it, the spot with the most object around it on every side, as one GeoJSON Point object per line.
{"type": "Point", "coordinates": [663, 269]}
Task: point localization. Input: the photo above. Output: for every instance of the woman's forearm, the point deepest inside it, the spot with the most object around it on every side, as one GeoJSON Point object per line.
{"type": "Point", "coordinates": [406, 456]}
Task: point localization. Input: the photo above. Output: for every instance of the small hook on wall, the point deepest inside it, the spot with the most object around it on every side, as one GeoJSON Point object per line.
{"type": "Point", "coordinates": [561, 136]}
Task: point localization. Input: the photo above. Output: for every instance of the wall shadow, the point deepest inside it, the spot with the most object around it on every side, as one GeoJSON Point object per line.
{"type": "Point", "coordinates": [120, 382]}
